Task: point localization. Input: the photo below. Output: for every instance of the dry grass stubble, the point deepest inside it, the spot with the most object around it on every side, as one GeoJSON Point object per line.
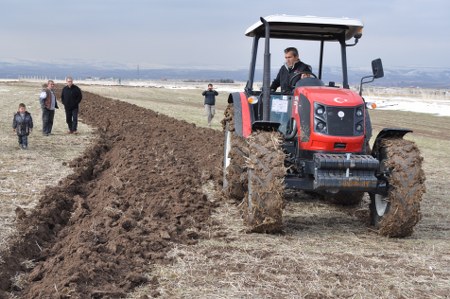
{"type": "Point", "coordinates": [326, 251]}
{"type": "Point", "coordinates": [25, 173]}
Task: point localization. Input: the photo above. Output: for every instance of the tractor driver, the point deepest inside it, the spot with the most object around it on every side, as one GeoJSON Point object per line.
{"type": "Point", "coordinates": [292, 67]}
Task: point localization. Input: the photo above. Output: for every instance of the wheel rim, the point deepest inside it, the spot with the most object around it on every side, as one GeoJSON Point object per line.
{"type": "Point", "coordinates": [226, 158]}
{"type": "Point", "coordinates": [250, 190]}
{"type": "Point", "coordinates": [381, 204]}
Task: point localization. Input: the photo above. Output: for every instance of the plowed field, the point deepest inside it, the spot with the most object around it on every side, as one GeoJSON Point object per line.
{"type": "Point", "coordinates": [139, 214]}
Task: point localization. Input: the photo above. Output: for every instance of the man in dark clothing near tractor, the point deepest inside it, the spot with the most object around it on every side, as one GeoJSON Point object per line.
{"type": "Point", "coordinates": [71, 97]}
{"type": "Point", "coordinates": [210, 102]}
{"type": "Point", "coordinates": [292, 68]}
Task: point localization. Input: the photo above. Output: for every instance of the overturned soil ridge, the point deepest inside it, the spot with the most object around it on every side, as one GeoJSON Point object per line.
{"type": "Point", "coordinates": [133, 193]}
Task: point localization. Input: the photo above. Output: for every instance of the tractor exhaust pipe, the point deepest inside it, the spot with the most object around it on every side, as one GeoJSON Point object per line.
{"type": "Point", "coordinates": [266, 73]}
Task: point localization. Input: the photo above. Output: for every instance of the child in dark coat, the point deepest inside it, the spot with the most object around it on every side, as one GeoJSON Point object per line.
{"type": "Point", "coordinates": [22, 125]}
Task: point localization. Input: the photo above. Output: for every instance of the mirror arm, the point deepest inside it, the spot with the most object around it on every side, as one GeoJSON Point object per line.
{"type": "Point", "coordinates": [372, 78]}
{"type": "Point", "coordinates": [354, 44]}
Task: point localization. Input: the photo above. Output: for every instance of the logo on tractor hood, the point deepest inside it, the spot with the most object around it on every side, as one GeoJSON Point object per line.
{"type": "Point", "coordinates": [340, 100]}
{"type": "Point", "coordinates": [341, 114]}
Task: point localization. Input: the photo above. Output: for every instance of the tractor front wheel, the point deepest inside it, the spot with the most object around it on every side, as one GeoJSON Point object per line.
{"type": "Point", "coordinates": [263, 204]}
{"type": "Point", "coordinates": [396, 213]}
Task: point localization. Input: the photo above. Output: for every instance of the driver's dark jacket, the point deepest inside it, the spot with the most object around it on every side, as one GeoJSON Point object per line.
{"type": "Point", "coordinates": [285, 75]}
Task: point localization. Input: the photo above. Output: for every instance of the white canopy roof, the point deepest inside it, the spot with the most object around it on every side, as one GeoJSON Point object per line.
{"type": "Point", "coordinates": [307, 27]}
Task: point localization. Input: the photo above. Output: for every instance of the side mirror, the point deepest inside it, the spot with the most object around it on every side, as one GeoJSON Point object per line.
{"type": "Point", "coordinates": [377, 71]}
{"type": "Point", "coordinates": [377, 68]}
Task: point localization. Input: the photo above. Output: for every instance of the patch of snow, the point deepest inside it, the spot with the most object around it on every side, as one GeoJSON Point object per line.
{"type": "Point", "coordinates": [440, 107]}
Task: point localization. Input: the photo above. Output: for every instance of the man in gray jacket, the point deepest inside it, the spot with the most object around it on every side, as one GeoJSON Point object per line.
{"type": "Point", "coordinates": [210, 102]}
{"type": "Point", "coordinates": [49, 104]}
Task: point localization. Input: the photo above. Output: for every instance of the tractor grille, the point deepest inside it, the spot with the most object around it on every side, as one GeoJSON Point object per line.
{"type": "Point", "coordinates": [340, 126]}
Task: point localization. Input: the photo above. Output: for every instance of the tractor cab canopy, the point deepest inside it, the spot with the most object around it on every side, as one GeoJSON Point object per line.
{"type": "Point", "coordinates": [310, 28]}
{"type": "Point", "coordinates": [307, 28]}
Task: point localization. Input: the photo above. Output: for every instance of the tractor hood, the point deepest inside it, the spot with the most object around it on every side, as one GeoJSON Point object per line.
{"type": "Point", "coordinates": [331, 96]}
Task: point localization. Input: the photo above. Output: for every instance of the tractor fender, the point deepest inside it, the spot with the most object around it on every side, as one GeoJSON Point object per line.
{"type": "Point", "coordinates": [388, 133]}
{"type": "Point", "coordinates": [242, 117]}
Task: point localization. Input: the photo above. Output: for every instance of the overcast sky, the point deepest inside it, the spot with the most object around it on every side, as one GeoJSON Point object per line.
{"type": "Point", "coordinates": [209, 33]}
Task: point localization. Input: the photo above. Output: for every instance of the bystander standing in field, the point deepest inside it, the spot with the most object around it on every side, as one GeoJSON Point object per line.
{"type": "Point", "coordinates": [44, 88]}
{"type": "Point", "coordinates": [41, 102]}
{"type": "Point", "coordinates": [22, 125]}
{"type": "Point", "coordinates": [49, 104]}
{"type": "Point", "coordinates": [210, 102]}
{"type": "Point", "coordinates": [71, 97]}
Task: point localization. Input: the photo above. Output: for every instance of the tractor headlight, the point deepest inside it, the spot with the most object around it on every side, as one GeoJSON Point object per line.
{"type": "Point", "coordinates": [321, 126]}
{"type": "Point", "coordinates": [359, 127]}
{"type": "Point", "coordinates": [320, 110]}
{"type": "Point", "coordinates": [359, 112]}
{"type": "Point", "coordinates": [359, 120]}
{"type": "Point", "coordinates": [320, 118]}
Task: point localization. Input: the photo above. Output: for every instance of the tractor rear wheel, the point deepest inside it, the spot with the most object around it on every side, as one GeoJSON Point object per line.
{"type": "Point", "coordinates": [263, 204]}
{"type": "Point", "coordinates": [396, 214]}
{"type": "Point", "coordinates": [234, 169]}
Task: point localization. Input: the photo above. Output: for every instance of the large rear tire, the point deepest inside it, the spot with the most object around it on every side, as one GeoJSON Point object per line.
{"type": "Point", "coordinates": [234, 169]}
{"type": "Point", "coordinates": [263, 204]}
{"type": "Point", "coordinates": [396, 214]}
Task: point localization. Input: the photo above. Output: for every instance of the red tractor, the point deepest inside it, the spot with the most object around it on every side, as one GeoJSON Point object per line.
{"type": "Point", "coordinates": [315, 138]}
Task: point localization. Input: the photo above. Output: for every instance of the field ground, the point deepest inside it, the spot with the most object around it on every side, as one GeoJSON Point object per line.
{"type": "Point", "coordinates": [326, 251]}
{"type": "Point", "coordinates": [24, 174]}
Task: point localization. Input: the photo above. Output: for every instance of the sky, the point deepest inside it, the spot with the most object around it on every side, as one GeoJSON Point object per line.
{"type": "Point", "coordinates": [210, 34]}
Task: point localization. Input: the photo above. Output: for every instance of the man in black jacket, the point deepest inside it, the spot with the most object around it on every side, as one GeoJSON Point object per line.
{"type": "Point", "coordinates": [292, 67]}
{"type": "Point", "coordinates": [71, 97]}
{"type": "Point", "coordinates": [210, 102]}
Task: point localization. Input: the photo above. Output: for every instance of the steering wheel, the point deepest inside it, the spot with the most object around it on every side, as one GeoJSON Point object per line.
{"type": "Point", "coordinates": [298, 76]}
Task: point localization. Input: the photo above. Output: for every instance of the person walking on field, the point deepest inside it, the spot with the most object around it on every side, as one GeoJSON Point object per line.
{"type": "Point", "coordinates": [22, 125]}
{"type": "Point", "coordinates": [48, 102]}
{"type": "Point", "coordinates": [210, 102]}
{"type": "Point", "coordinates": [71, 97]}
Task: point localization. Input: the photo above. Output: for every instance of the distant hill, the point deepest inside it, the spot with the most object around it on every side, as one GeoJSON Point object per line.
{"type": "Point", "coordinates": [399, 77]}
